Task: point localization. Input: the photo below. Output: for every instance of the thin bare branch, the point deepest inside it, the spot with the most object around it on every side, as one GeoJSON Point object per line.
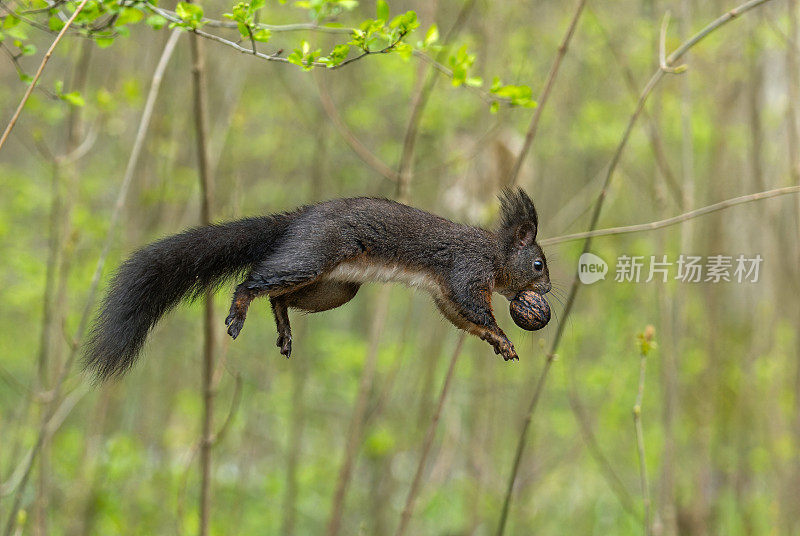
{"type": "Point", "coordinates": [615, 483]}
{"type": "Point", "coordinates": [660, 224]}
{"type": "Point", "coordinates": [408, 509]}
{"type": "Point", "coordinates": [637, 423]}
{"type": "Point", "coordinates": [355, 428]}
{"type": "Point", "coordinates": [548, 86]}
{"type": "Point", "coordinates": [367, 156]}
{"type": "Point", "coordinates": [236, 400]}
{"type": "Point", "coordinates": [206, 192]}
{"type": "Point", "coordinates": [656, 142]}
{"type": "Point", "coordinates": [662, 47]}
{"type": "Point", "coordinates": [59, 415]}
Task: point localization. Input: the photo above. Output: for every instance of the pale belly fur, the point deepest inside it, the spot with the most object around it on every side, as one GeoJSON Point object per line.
{"type": "Point", "coordinates": [360, 271]}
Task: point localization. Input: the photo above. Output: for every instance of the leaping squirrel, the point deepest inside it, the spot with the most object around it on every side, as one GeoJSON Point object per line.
{"type": "Point", "coordinates": [315, 258]}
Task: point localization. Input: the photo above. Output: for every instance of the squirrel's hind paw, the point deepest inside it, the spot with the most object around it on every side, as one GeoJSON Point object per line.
{"type": "Point", "coordinates": [284, 342]}
{"type": "Point", "coordinates": [235, 324]}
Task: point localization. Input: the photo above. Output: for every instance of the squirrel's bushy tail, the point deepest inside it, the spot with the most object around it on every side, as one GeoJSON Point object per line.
{"type": "Point", "coordinates": [157, 277]}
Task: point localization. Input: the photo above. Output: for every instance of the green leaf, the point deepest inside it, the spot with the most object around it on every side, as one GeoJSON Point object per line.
{"type": "Point", "coordinates": [104, 98]}
{"type": "Point", "coordinates": [55, 23]}
{"type": "Point", "coordinates": [192, 14]}
{"type": "Point", "coordinates": [379, 443]}
{"type": "Point", "coordinates": [74, 98]}
{"type": "Point", "coordinates": [461, 62]}
{"type": "Point", "coordinates": [155, 21]}
{"type": "Point", "coordinates": [262, 35]}
{"type": "Point", "coordinates": [337, 55]}
{"type": "Point", "coordinates": [9, 22]}
{"type": "Point", "coordinates": [241, 13]}
{"type": "Point", "coordinates": [494, 107]}
{"type": "Point", "coordinates": [104, 42]}
{"type": "Point", "coordinates": [17, 32]}
{"type": "Point", "coordinates": [297, 55]}
{"type": "Point", "coordinates": [58, 86]}
{"type": "Point", "coordinates": [431, 36]}
{"type": "Point", "coordinates": [517, 95]}
{"type": "Point", "coordinates": [382, 10]}
{"type": "Point", "coordinates": [129, 16]}
{"type": "Point", "coordinates": [28, 50]}
{"type": "Point", "coordinates": [405, 22]}
{"type": "Point", "coordinates": [404, 50]}
{"type": "Point", "coordinates": [474, 81]}
{"type": "Point", "coordinates": [305, 57]}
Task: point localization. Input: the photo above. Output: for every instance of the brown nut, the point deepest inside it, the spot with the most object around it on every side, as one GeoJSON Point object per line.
{"type": "Point", "coordinates": [529, 310]}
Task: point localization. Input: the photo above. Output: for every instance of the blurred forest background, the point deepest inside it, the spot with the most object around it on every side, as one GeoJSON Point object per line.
{"type": "Point", "coordinates": [210, 436]}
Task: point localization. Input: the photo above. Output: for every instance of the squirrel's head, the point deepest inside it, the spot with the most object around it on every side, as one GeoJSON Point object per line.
{"type": "Point", "coordinates": [524, 266]}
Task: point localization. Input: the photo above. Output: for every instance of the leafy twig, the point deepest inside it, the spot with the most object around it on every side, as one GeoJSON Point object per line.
{"type": "Point", "coordinates": [32, 85]}
{"type": "Point", "coordinates": [227, 42]}
{"type": "Point", "coordinates": [172, 17]}
{"type": "Point", "coordinates": [388, 48]}
{"type": "Point", "coordinates": [213, 23]}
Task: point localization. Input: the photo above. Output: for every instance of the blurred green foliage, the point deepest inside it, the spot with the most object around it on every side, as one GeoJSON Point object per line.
{"type": "Point", "coordinates": [721, 401]}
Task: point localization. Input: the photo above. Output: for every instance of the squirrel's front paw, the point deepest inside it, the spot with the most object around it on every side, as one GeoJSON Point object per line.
{"type": "Point", "coordinates": [284, 342]}
{"type": "Point", "coordinates": [235, 324]}
{"type": "Point", "coordinates": [510, 354]}
{"type": "Point", "coordinates": [506, 349]}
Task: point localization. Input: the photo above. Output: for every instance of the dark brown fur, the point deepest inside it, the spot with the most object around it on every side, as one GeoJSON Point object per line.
{"type": "Point", "coordinates": [294, 259]}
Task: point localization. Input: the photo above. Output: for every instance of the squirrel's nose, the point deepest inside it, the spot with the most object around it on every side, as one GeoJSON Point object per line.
{"type": "Point", "coordinates": [544, 288]}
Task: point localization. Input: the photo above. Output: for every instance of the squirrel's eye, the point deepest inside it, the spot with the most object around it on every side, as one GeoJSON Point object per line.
{"type": "Point", "coordinates": [538, 265]}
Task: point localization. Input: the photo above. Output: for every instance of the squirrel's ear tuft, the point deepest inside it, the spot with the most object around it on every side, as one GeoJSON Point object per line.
{"type": "Point", "coordinates": [519, 221]}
